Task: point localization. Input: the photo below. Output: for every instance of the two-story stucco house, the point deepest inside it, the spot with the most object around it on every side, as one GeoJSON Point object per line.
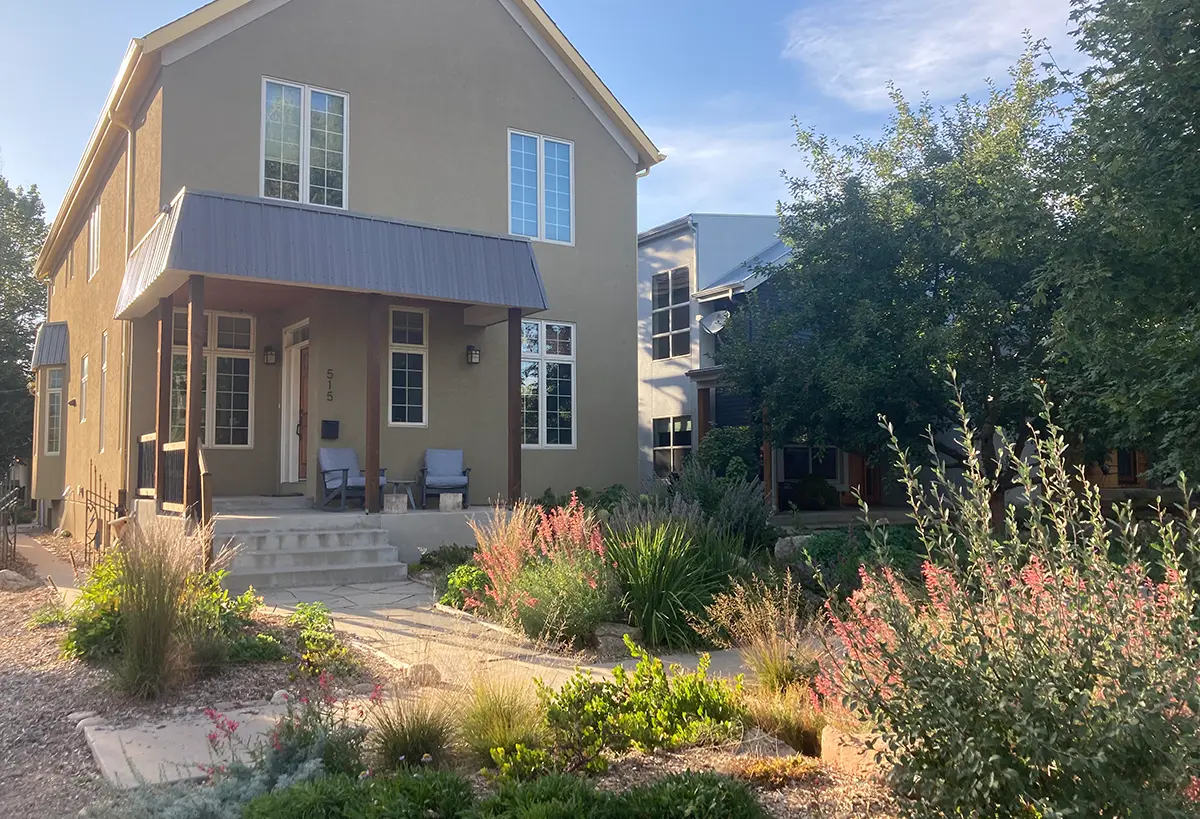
{"type": "Point", "coordinates": [383, 225]}
{"type": "Point", "coordinates": [690, 270]}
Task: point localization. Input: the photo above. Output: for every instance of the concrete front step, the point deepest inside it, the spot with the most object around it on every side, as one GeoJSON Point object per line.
{"type": "Point", "coordinates": [290, 559]}
{"type": "Point", "coordinates": [247, 522]}
{"type": "Point", "coordinates": [324, 576]}
{"type": "Point", "coordinates": [260, 503]}
{"type": "Point", "coordinates": [297, 540]}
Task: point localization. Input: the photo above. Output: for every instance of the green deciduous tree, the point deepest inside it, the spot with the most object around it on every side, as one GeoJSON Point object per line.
{"type": "Point", "coordinates": [22, 306]}
{"type": "Point", "coordinates": [912, 253]}
{"type": "Point", "coordinates": [1127, 275]}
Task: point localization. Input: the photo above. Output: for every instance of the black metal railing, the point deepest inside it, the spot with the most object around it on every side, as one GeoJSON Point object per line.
{"type": "Point", "coordinates": [147, 446]}
{"type": "Point", "coordinates": [174, 468]}
{"type": "Point", "coordinates": [10, 501]}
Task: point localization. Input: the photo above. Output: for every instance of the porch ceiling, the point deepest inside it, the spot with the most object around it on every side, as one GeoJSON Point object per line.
{"type": "Point", "coordinates": [262, 240]}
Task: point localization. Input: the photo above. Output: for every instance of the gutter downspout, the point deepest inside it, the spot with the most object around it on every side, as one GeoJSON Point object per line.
{"type": "Point", "coordinates": [126, 407]}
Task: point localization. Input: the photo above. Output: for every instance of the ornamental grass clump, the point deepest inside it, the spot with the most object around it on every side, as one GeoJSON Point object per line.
{"type": "Point", "coordinates": [1043, 668]}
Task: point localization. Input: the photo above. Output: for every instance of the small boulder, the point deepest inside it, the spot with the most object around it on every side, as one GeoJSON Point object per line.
{"type": "Point", "coordinates": [790, 548]}
{"type": "Point", "coordinates": [364, 688]}
{"type": "Point", "coordinates": [422, 675]}
{"type": "Point", "coordinates": [619, 630]}
{"type": "Point", "coordinates": [280, 697]}
{"type": "Point", "coordinates": [222, 707]}
{"type": "Point", "coordinates": [76, 716]}
{"type": "Point", "coordinates": [11, 581]}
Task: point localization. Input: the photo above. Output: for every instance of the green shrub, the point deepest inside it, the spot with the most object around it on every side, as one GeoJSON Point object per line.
{"type": "Point", "coordinates": [647, 709]}
{"type": "Point", "coordinates": [1032, 675]}
{"type": "Point", "coordinates": [465, 587]}
{"type": "Point", "coordinates": [655, 510]}
{"type": "Point", "coordinates": [602, 501]}
{"type": "Point", "coordinates": [50, 613]}
{"type": "Point", "coordinates": [792, 714]}
{"type": "Point", "coordinates": [447, 557]}
{"type": "Point", "coordinates": [410, 734]}
{"type": "Point", "coordinates": [207, 606]}
{"type": "Point", "coordinates": [692, 795]}
{"type": "Point", "coordinates": [814, 493]}
{"type": "Point", "coordinates": [522, 763]}
{"type": "Point", "coordinates": [731, 451]}
{"type": "Point", "coordinates": [330, 797]}
{"type": "Point", "coordinates": [668, 579]}
{"type": "Point", "coordinates": [501, 713]}
{"type": "Point", "coordinates": [320, 727]}
{"type": "Point", "coordinates": [734, 503]}
{"type": "Point", "coordinates": [95, 630]}
{"type": "Point", "coordinates": [320, 649]}
{"type": "Point", "coordinates": [557, 796]}
{"type": "Point", "coordinates": [208, 652]}
{"type": "Point", "coordinates": [420, 795]}
{"type": "Point", "coordinates": [837, 554]}
{"type": "Point", "coordinates": [259, 648]}
{"type": "Point", "coordinates": [564, 598]}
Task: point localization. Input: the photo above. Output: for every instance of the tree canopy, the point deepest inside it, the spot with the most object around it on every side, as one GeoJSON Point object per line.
{"type": "Point", "coordinates": [22, 306]}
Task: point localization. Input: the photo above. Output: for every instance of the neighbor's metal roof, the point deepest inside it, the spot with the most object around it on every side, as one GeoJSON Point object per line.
{"type": "Point", "coordinates": [748, 274]}
{"type": "Point", "coordinates": [265, 240]}
{"type": "Point", "coordinates": [50, 347]}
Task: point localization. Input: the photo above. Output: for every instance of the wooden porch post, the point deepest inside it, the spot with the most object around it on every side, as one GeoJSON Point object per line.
{"type": "Point", "coordinates": [162, 410]}
{"type": "Point", "coordinates": [703, 399]}
{"type": "Point", "coordinates": [195, 376]}
{"type": "Point", "coordinates": [768, 476]}
{"type": "Point", "coordinates": [374, 308]}
{"type": "Point", "coordinates": [514, 404]}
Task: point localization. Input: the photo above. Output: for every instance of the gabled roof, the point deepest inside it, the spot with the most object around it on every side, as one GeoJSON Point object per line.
{"type": "Point", "coordinates": [144, 57]}
{"type": "Point", "coordinates": [51, 347]}
{"type": "Point", "coordinates": [749, 274]}
{"type": "Point", "coordinates": [269, 240]}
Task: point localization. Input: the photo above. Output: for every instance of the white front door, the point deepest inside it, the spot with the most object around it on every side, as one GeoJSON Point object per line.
{"type": "Point", "coordinates": [293, 448]}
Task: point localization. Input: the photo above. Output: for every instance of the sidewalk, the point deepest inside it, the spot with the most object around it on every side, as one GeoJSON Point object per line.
{"type": "Point", "coordinates": [49, 565]}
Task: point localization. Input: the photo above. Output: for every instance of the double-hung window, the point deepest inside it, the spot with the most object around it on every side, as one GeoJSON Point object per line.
{"type": "Point", "coordinates": [54, 410]}
{"type": "Point", "coordinates": [103, 387]}
{"type": "Point", "coordinates": [672, 444]}
{"type": "Point", "coordinates": [800, 461]}
{"type": "Point", "coordinates": [227, 410]}
{"type": "Point", "coordinates": [409, 351]}
{"type": "Point", "coordinates": [83, 388]}
{"type": "Point", "coordinates": [547, 384]}
{"type": "Point", "coordinates": [671, 313]}
{"type": "Point", "coordinates": [93, 247]}
{"type": "Point", "coordinates": [304, 134]}
{"type": "Point", "coordinates": [541, 187]}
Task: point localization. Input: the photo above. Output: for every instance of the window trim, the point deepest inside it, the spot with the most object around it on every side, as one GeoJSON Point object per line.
{"type": "Point", "coordinates": [83, 388]}
{"type": "Point", "coordinates": [671, 332]}
{"type": "Point", "coordinates": [210, 354]}
{"type": "Point", "coordinates": [541, 186]}
{"type": "Point", "coordinates": [672, 446]}
{"type": "Point", "coordinates": [94, 225]}
{"type": "Point", "coordinates": [542, 358]}
{"type": "Point", "coordinates": [423, 349]}
{"type": "Point", "coordinates": [103, 388]}
{"type": "Point", "coordinates": [305, 139]}
{"type": "Point", "coordinates": [58, 428]}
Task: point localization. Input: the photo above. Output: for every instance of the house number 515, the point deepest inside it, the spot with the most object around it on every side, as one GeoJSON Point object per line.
{"type": "Point", "coordinates": [329, 378]}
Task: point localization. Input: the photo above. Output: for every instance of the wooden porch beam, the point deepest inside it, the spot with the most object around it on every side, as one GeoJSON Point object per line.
{"type": "Point", "coordinates": [195, 375]}
{"type": "Point", "coordinates": [514, 404]}
{"type": "Point", "coordinates": [703, 404]}
{"type": "Point", "coordinates": [162, 407]}
{"type": "Point", "coordinates": [375, 307]}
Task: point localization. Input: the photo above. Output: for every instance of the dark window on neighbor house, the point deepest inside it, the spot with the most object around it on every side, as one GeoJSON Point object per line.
{"type": "Point", "coordinates": [672, 444]}
{"type": "Point", "coordinates": [801, 461]}
{"type": "Point", "coordinates": [1127, 466]}
{"type": "Point", "coordinates": [670, 317]}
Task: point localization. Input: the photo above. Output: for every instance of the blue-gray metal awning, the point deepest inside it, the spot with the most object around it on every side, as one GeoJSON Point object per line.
{"type": "Point", "coordinates": [266, 240]}
{"type": "Point", "coordinates": [50, 347]}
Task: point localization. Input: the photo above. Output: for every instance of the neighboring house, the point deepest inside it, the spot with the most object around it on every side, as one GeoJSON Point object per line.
{"type": "Point", "coordinates": [387, 225]}
{"type": "Point", "coordinates": [688, 270]}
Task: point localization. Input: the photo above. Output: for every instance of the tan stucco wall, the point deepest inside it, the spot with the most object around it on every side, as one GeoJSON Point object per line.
{"type": "Point", "coordinates": [433, 89]}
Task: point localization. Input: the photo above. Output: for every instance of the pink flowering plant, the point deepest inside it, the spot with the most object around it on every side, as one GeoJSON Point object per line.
{"type": "Point", "coordinates": [1047, 665]}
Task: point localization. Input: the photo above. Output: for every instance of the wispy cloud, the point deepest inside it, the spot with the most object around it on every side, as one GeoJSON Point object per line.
{"type": "Point", "coordinates": [945, 47]}
{"type": "Point", "coordinates": [725, 168]}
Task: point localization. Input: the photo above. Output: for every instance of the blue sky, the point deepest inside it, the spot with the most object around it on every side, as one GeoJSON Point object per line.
{"type": "Point", "coordinates": [714, 82]}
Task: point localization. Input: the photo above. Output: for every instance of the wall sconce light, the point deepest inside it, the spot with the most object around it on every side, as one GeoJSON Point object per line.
{"type": "Point", "coordinates": [72, 403]}
{"type": "Point", "coordinates": [268, 356]}
{"type": "Point", "coordinates": [472, 354]}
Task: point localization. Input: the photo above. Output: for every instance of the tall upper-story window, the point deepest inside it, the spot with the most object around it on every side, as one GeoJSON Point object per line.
{"type": "Point", "coordinates": [304, 142]}
{"type": "Point", "coordinates": [541, 185]}
{"type": "Point", "coordinates": [671, 313]}
{"type": "Point", "coordinates": [93, 259]}
{"type": "Point", "coordinates": [54, 410]}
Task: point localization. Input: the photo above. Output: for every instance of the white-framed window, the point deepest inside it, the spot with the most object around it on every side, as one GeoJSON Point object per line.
{"type": "Point", "coordinates": [83, 387]}
{"type": "Point", "coordinates": [671, 313]}
{"type": "Point", "coordinates": [541, 187]}
{"type": "Point", "coordinates": [54, 410]}
{"type": "Point", "coordinates": [672, 444]}
{"type": "Point", "coordinates": [548, 384]}
{"type": "Point", "coordinates": [226, 410]}
{"type": "Point", "coordinates": [305, 137]}
{"type": "Point", "coordinates": [408, 363]}
{"type": "Point", "coordinates": [93, 259]}
{"type": "Point", "coordinates": [800, 460]}
{"type": "Point", "coordinates": [103, 387]}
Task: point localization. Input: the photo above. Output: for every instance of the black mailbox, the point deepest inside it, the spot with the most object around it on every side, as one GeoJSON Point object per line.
{"type": "Point", "coordinates": [329, 430]}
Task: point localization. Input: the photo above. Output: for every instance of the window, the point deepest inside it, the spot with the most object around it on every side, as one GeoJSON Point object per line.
{"type": "Point", "coordinates": [547, 384]}
{"type": "Point", "coordinates": [671, 313]}
{"type": "Point", "coordinates": [103, 386]}
{"type": "Point", "coordinates": [409, 380]}
{"type": "Point", "coordinates": [54, 406]}
{"type": "Point", "coordinates": [672, 444]}
{"type": "Point", "coordinates": [83, 384]}
{"type": "Point", "coordinates": [541, 181]}
{"type": "Point", "coordinates": [824, 462]}
{"type": "Point", "coordinates": [304, 141]}
{"type": "Point", "coordinates": [226, 411]}
{"type": "Point", "coordinates": [93, 259]}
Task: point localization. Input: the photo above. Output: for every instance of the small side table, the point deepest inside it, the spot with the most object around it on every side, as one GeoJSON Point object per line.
{"type": "Point", "coordinates": [396, 483]}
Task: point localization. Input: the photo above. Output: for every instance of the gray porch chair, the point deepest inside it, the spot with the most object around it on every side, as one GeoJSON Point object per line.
{"type": "Point", "coordinates": [341, 478]}
{"type": "Point", "coordinates": [444, 472]}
